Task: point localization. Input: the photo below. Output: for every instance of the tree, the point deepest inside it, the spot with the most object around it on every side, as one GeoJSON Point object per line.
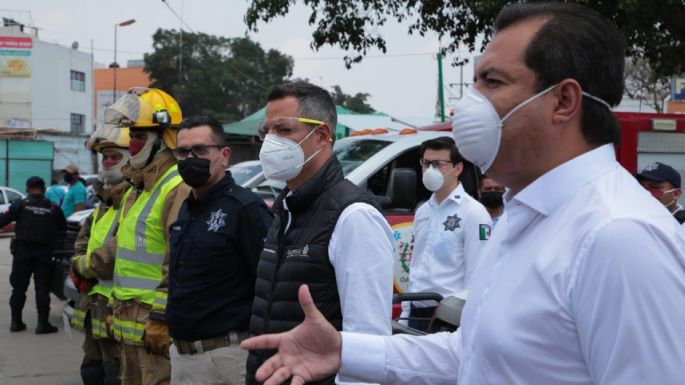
{"type": "Point", "coordinates": [654, 29]}
{"type": "Point", "coordinates": [642, 83]}
{"type": "Point", "coordinates": [356, 103]}
{"type": "Point", "coordinates": [224, 77]}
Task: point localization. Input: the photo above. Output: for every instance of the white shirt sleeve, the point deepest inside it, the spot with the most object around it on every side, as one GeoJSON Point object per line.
{"type": "Point", "coordinates": [428, 360]}
{"type": "Point", "coordinates": [631, 331]}
{"type": "Point", "coordinates": [473, 244]}
{"type": "Point", "coordinates": [361, 251]}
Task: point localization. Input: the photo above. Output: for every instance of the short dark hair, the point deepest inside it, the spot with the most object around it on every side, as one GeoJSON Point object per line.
{"type": "Point", "coordinates": [442, 143]}
{"type": "Point", "coordinates": [314, 101]}
{"type": "Point", "coordinates": [204, 120]}
{"type": "Point", "coordinates": [575, 42]}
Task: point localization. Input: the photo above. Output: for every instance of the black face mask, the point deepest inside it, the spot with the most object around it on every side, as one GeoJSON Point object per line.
{"type": "Point", "coordinates": [491, 199]}
{"type": "Point", "coordinates": [194, 171]}
{"type": "Point", "coordinates": [69, 178]}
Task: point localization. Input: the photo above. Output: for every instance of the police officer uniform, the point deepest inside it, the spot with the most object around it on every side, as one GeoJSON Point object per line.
{"type": "Point", "coordinates": [214, 251]}
{"type": "Point", "coordinates": [449, 238]}
{"type": "Point", "coordinates": [38, 222]}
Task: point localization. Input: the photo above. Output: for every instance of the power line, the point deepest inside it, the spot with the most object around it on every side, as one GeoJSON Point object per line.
{"type": "Point", "coordinates": [178, 16]}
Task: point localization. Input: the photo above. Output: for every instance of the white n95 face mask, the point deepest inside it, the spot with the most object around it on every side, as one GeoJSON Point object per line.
{"type": "Point", "coordinates": [282, 159]}
{"type": "Point", "coordinates": [433, 179]}
{"type": "Point", "coordinates": [477, 127]}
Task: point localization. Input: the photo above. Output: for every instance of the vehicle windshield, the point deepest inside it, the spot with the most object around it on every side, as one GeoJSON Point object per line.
{"type": "Point", "coordinates": [355, 152]}
{"type": "Point", "coordinates": [243, 172]}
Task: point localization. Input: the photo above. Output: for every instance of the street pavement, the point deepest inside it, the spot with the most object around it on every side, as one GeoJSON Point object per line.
{"type": "Point", "coordinates": [27, 358]}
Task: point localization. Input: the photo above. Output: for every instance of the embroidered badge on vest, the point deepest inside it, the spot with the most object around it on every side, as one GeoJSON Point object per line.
{"type": "Point", "coordinates": [216, 220]}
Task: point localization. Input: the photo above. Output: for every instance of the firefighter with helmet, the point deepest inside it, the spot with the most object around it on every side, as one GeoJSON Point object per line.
{"type": "Point", "coordinates": [93, 263]}
{"type": "Point", "coordinates": [148, 209]}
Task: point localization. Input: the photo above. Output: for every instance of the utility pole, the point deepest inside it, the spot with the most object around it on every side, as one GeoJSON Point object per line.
{"type": "Point", "coordinates": [441, 91]}
{"type": "Point", "coordinates": [461, 83]}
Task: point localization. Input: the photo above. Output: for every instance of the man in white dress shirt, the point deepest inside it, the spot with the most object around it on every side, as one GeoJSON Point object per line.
{"type": "Point", "coordinates": [583, 281]}
{"type": "Point", "coordinates": [450, 231]}
{"type": "Point", "coordinates": [327, 232]}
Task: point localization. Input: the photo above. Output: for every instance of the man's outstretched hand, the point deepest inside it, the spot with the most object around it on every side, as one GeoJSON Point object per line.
{"type": "Point", "coordinates": [309, 352]}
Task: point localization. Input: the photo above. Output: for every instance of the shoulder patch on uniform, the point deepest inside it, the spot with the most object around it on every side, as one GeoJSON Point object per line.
{"type": "Point", "coordinates": [484, 232]}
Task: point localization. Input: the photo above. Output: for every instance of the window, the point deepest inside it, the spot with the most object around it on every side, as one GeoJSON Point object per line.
{"type": "Point", "coordinates": [353, 153]}
{"type": "Point", "coordinates": [2, 198]}
{"type": "Point", "coordinates": [78, 123]}
{"type": "Point", "coordinates": [12, 196]}
{"type": "Point", "coordinates": [78, 81]}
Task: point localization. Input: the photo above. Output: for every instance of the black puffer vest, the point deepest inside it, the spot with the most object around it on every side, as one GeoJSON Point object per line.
{"type": "Point", "coordinates": [299, 256]}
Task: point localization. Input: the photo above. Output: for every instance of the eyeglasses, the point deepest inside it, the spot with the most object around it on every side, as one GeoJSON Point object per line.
{"type": "Point", "coordinates": [198, 150]}
{"type": "Point", "coordinates": [284, 127]}
{"type": "Point", "coordinates": [435, 163]}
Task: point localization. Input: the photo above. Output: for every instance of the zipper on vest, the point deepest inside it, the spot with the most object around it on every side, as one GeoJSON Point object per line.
{"type": "Point", "coordinates": [274, 279]}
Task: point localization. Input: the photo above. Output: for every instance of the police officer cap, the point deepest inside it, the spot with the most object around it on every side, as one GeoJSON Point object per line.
{"type": "Point", "coordinates": [660, 172]}
{"type": "Point", "coordinates": [35, 181]}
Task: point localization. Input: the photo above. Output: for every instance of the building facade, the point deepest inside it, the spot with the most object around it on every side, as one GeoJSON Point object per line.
{"type": "Point", "coordinates": [44, 85]}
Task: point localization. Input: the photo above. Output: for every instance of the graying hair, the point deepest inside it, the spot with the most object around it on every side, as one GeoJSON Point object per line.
{"type": "Point", "coordinates": [314, 102]}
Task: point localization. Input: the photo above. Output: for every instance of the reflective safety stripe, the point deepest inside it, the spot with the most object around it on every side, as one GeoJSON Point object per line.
{"type": "Point", "coordinates": [136, 283]}
{"type": "Point", "coordinates": [78, 319]}
{"type": "Point", "coordinates": [99, 328]}
{"type": "Point", "coordinates": [82, 264]}
{"type": "Point", "coordinates": [141, 256]}
{"type": "Point", "coordinates": [113, 226]}
{"type": "Point", "coordinates": [141, 251]}
{"type": "Point", "coordinates": [141, 224]}
{"type": "Point", "coordinates": [160, 300]}
{"type": "Point", "coordinates": [106, 283]}
{"type": "Point", "coordinates": [128, 331]}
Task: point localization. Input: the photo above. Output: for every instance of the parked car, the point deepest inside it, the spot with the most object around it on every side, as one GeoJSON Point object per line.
{"type": "Point", "coordinates": [247, 174]}
{"type": "Point", "coordinates": [7, 196]}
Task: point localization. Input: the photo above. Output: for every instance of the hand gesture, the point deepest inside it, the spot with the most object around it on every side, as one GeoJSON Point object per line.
{"type": "Point", "coordinates": [309, 352]}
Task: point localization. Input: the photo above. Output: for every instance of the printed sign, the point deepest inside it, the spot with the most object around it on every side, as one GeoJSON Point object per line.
{"type": "Point", "coordinates": [15, 53]}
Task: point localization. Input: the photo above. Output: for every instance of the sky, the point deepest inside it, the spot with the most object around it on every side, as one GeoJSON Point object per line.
{"type": "Point", "coordinates": [402, 83]}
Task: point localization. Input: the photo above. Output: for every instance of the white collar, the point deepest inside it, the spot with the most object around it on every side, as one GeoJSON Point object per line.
{"type": "Point", "coordinates": [456, 195]}
{"type": "Point", "coordinates": [556, 186]}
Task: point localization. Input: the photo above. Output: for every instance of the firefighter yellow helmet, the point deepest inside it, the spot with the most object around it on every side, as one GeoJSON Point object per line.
{"type": "Point", "coordinates": [110, 135]}
{"type": "Point", "coordinates": [147, 109]}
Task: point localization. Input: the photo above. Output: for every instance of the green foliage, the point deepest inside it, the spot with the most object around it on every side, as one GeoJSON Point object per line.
{"type": "Point", "coordinates": [356, 103]}
{"type": "Point", "coordinates": [655, 30]}
{"type": "Point", "coordinates": [224, 77]}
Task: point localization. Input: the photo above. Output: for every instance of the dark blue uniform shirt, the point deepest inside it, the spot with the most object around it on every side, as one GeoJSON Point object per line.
{"type": "Point", "coordinates": [214, 250]}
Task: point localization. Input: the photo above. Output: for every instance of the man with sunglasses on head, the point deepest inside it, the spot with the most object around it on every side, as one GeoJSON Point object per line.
{"type": "Point", "coordinates": [450, 231]}
{"type": "Point", "coordinates": [327, 233]}
{"type": "Point", "coordinates": [214, 250]}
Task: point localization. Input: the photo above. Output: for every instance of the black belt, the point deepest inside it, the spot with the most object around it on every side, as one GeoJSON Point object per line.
{"type": "Point", "coordinates": [200, 346]}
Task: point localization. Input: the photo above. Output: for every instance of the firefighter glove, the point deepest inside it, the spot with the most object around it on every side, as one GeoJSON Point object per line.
{"type": "Point", "coordinates": [156, 337]}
